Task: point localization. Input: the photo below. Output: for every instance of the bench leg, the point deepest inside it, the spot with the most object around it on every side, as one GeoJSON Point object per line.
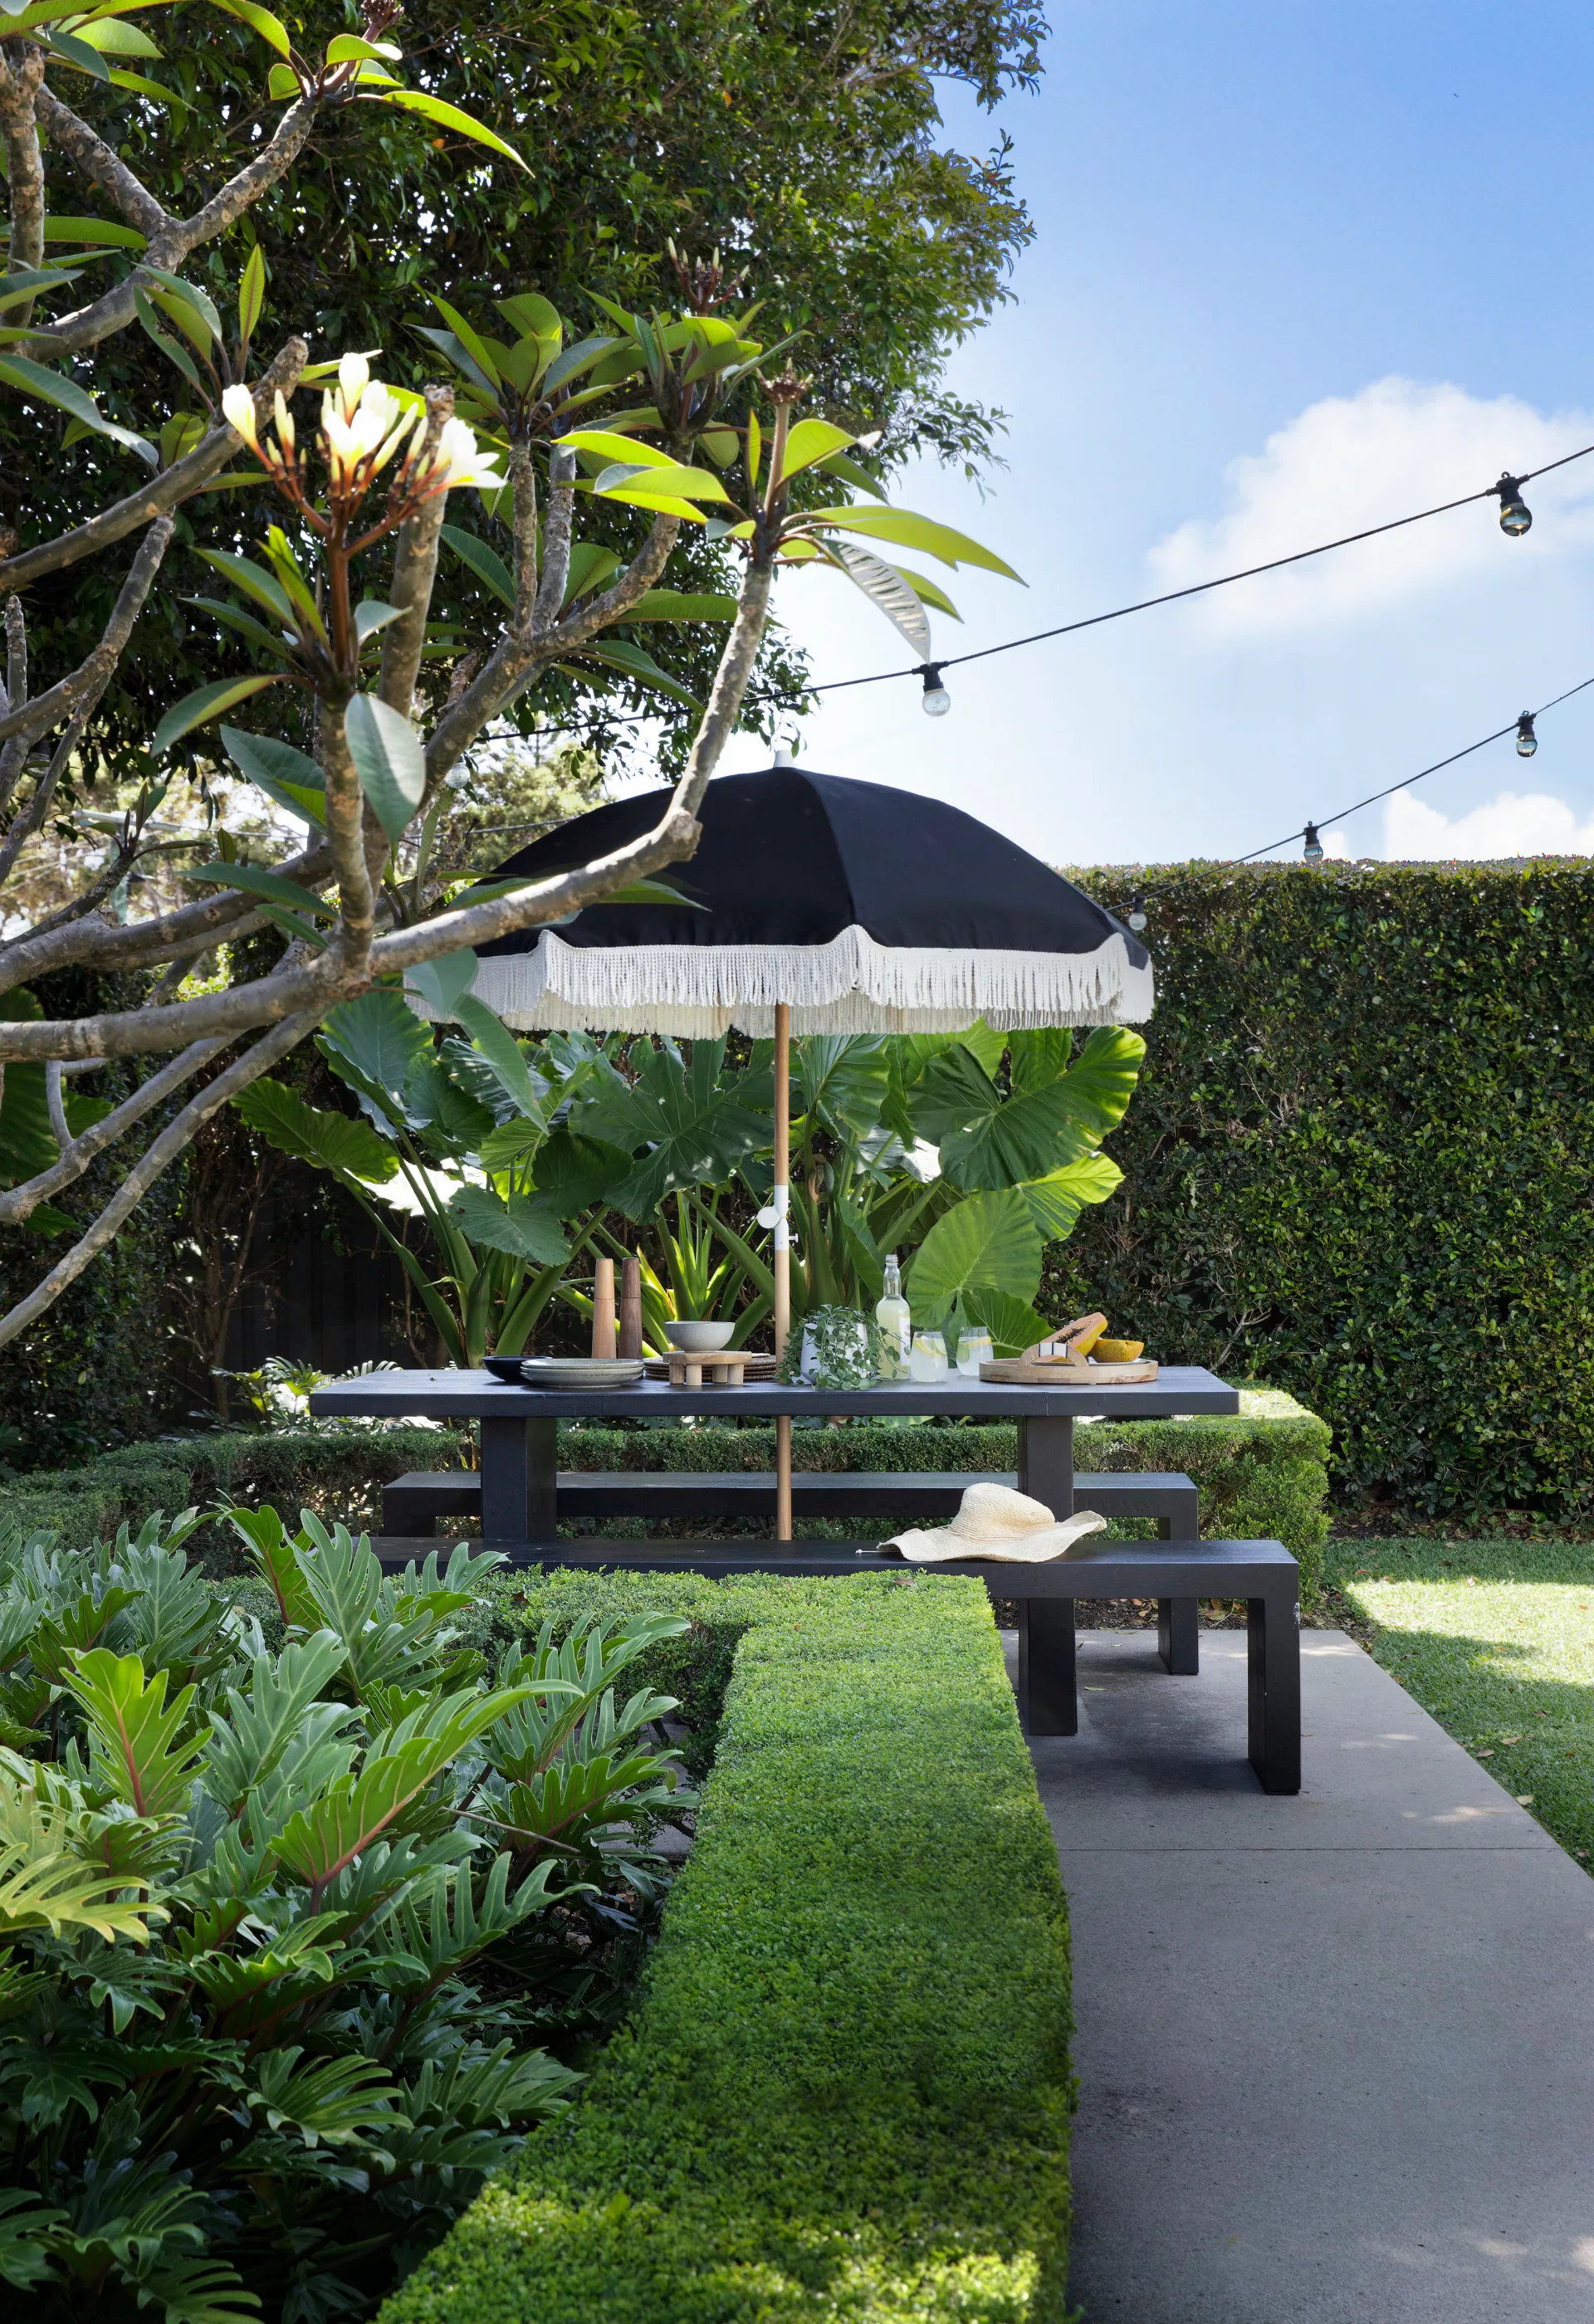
{"type": "Point", "coordinates": [1048, 1698]}
{"type": "Point", "coordinates": [519, 1479]}
{"type": "Point", "coordinates": [1273, 1655]}
{"type": "Point", "coordinates": [1178, 1619]}
{"type": "Point", "coordinates": [1179, 1635]}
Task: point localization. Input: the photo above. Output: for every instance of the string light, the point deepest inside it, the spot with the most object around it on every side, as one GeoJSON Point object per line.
{"type": "Point", "coordinates": [1314, 849]}
{"type": "Point", "coordinates": [1516, 516]}
{"type": "Point", "coordinates": [1514, 520]}
{"type": "Point", "coordinates": [1527, 717]}
{"type": "Point", "coordinates": [1527, 742]}
{"type": "Point", "coordinates": [1137, 911]}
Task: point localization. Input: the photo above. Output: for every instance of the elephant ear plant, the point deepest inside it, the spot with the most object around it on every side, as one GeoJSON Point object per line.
{"type": "Point", "coordinates": [284, 1932]}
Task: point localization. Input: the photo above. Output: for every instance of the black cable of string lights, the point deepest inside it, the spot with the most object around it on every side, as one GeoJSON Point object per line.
{"type": "Point", "coordinates": [1315, 824]}
{"type": "Point", "coordinates": [1514, 518]}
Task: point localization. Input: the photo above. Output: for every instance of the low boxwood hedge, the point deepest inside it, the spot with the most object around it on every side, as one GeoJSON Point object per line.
{"type": "Point", "coordinates": [846, 2094]}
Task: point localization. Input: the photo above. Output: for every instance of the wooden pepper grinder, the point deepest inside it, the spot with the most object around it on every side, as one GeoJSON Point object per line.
{"type": "Point", "coordinates": [603, 1308]}
{"type": "Point", "coordinates": [631, 1308]}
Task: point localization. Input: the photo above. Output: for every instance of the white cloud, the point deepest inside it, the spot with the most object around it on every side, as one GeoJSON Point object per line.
{"type": "Point", "coordinates": [1529, 822]}
{"type": "Point", "coordinates": [1350, 461]}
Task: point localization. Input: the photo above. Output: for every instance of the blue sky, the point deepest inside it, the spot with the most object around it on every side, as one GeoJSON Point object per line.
{"type": "Point", "coordinates": [1296, 270]}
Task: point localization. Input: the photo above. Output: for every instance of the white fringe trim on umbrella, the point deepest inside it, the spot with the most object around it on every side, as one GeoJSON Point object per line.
{"type": "Point", "coordinates": [849, 985]}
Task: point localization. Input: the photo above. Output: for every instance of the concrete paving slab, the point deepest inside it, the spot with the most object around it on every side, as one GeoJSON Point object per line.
{"type": "Point", "coordinates": [1336, 2052]}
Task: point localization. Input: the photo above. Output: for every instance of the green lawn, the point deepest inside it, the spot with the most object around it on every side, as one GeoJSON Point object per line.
{"type": "Point", "coordinates": [1495, 1639]}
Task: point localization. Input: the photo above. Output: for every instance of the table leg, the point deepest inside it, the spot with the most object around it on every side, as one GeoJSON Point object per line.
{"type": "Point", "coordinates": [1046, 1463]}
{"type": "Point", "coordinates": [1272, 1655]}
{"type": "Point", "coordinates": [1048, 1699]}
{"type": "Point", "coordinates": [519, 1479]}
{"type": "Point", "coordinates": [1179, 1623]}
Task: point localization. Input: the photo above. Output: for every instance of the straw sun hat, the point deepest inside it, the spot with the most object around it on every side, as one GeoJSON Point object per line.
{"type": "Point", "coordinates": [996, 1522]}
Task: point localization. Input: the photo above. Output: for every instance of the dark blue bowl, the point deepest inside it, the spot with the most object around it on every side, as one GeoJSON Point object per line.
{"type": "Point", "coordinates": [507, 1369]}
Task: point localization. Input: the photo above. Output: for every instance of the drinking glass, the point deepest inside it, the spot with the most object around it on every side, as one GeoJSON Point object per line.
{"type": "Point", "coordinates": [974, 1349]}
{"type": "Point", "coordinates": [927, 1358]}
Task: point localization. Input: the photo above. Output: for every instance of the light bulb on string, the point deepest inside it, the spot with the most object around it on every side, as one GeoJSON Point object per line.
{"type": "Point", "coordinates": [1314, 849]}
{"type": "Point", "coordinates": [1137, 911]}
{"type": "Point", "coordinates": [1516, 516]}
{"type": "Point", "coordinates": [937, 701]}
{"type": "Point", "coordinates": [1527, 742]}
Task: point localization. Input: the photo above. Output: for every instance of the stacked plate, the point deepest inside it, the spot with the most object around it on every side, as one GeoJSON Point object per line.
{"type": "Point", "coordinates": [574, 1371]}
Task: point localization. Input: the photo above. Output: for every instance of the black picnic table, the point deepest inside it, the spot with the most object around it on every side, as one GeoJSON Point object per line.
{"type": "Point", "coordinates": [520, 1512]}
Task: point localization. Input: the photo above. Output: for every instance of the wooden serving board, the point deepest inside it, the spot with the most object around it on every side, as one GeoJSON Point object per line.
{"type": "Point", "coordinates": [1012, 1371]}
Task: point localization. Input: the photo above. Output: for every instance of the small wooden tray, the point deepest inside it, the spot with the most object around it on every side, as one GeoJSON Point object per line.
{"type": "Point", "coordinates": [730, 1368]}
{"type": "Point", "coordinates": [1012, 1371]}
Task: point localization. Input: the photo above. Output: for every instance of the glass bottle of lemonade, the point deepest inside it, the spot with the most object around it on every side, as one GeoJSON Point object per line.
{"type": "Point", "coordinates": [891, 1313]}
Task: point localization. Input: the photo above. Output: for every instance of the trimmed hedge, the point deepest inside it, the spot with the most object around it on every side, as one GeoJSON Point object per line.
{"type": "Point", "coordinates": [335, 1475]}
{"type": "Point", "coordinates": [1360, 1164]}
{"type": "Point", "coordinates": [846, 2094]}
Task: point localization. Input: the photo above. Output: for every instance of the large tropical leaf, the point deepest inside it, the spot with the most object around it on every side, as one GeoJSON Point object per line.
{"type": "Point", "coordinates": [696, 1122]}
{"type": "Point", "coordinates": [844, 1081]}
{"type": "Point", "coordinates": [988, 1242]}
{"type": "Point", "coordinates": [339, 1142]}
{"type": "Point", "coordinates": [142, 1747]}
{"type": "Point", "coordinates": [379, 1038]}
{"type": "Point", "coordinates": [44, 1882]}
{"type": "Point", "coordinates": [986, 1141]}
{"type": "Point", "coordinates": [526, 1226]}
{"type": "Point", "coordinates": [1013, 1324]}
{"type": "Point", "coordinates": [1055, 1202]}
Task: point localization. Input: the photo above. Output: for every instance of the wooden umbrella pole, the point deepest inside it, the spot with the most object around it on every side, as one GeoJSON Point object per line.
{"type": "Point", "coordinates": [782, 1199]}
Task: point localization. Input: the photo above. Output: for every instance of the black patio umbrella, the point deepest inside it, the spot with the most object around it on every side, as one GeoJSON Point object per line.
{"type": "Point", "coordinates": [861, 909]}
{"type": "Point", "coordinates": [818, 904]}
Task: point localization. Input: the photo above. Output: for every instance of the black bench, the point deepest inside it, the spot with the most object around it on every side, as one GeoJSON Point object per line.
{"type": "Point", "coordinates": [1261, 1573]}
{"type": "Point", "coordinates": [412, 1504]}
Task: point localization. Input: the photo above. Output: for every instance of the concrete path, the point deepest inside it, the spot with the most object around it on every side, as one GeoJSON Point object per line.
{"type": "Point", "coordinates": [1336, 2053]}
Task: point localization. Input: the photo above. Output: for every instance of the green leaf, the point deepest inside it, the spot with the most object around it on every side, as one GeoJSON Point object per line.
{"type": "Point", "coordinates": [615, 653]}
{"type": "Point", "coordinates": [195, 708]}
{"type": "Point", "coordinates": [23, 2219]}
{"type": "Point", "coordinates": [843, 1080]}
{"type": "Point", "coordinates": [1012, 1324]}
{"type": "Point", "coordinates": [1038, 1059]}
{"type": "Point", "coordinates": [256, 880]}
{"type": "Point", "coordinates": [494, 1042]}
{"type": "Point", "coordinates": [589, 566]}
{"type": "Point", "coordinates": [33, 380]}
{"type": "Point", "coordinates": [469, 340]}
{"type": "Point", "coordinates": [283, 82]}
{"type": "Point", "coordinates": [484, 562]}
{"type": "Point", "coordinates": [851, 473]}
{"type": "Point", "coordinates": [74, 52]}
{"type": "Point", "coordinates": [448, 116]}
{"type": "Point", "coordinates": [597, 445]}
{"type": "Point", "coordinates": [378, 1038]}
{"type": "Point", "coordinates": [138, 1748]}
{"type": "Point", "coordinates": [109, 231]}
{"type": "Point", "coordinates": [254, 582]}
{"type": "Point", "coordinates": [1054, 1202]}
{"type": "Point", "coordinates": [243, 624]}
{"type": "Point", "coordinates": [259, 19]}
{"type": "Point", "coordinates": [251, 294]}
{"type": "Point", "coordinates": [809, 443]}
{"type": "Point", "coordinates": [649, 486]}
{"type": "Point", "coordinates": [523, 1226]}
{"type": "Point", "coordinates": [347, 48]}
{"type": "Point", "coordinates": [571, 1173]}
{"type": "Point", "coordinates": [169, 347]}
{"type": "Point", "coordinates": [682, 605]}
{"type": "Point", "coordinates": [913, 532]}
{"type": "Point", "coordinates": [989, 1241]}
{"type": "Point", "coordinates": [190, 294]}
{"type": "Point", "coordinates": [114, 37]}
{"type": "Point", "coordinates": [371, 615]}
{"type": "Point", "coordinates": [343, 1144]}
{"type": "Point", "coordinates": [142, 87]}
{"type": "Point", "coordinates": [441, 982]}
{"type": "Point", "coordinates": [27, 281]}
{"type": "Point", "coordinates": [388, 760]}
{"type": "Point", "coordinates": [280, 771]}
{"type": "Point", "coordinates": [698, 1123]}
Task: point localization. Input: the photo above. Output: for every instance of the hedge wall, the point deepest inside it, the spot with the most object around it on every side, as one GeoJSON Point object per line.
{"type": "Point", "coordinates": [846, 2094]}
{"type": "Point", "coordinates": [1360, 1164]}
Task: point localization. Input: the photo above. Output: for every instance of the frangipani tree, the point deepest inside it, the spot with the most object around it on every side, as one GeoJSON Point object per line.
{"type": "Point", "coordinates": [335, 611]}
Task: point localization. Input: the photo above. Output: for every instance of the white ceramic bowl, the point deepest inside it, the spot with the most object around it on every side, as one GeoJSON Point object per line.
{"type": "Point", "coordinates": [698, 1339]}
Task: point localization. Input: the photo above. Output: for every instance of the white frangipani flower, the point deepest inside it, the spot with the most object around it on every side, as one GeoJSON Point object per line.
{"type": "Point", "coordinates": [354, 374]}
{"type": "Point", "coordinates": [458, 460]}
{"type": "Point", "coordinates": [238, 406]}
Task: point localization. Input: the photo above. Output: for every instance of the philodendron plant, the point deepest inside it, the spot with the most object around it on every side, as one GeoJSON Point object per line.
{"type": "Point", "coordinates": [285, 1929]}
